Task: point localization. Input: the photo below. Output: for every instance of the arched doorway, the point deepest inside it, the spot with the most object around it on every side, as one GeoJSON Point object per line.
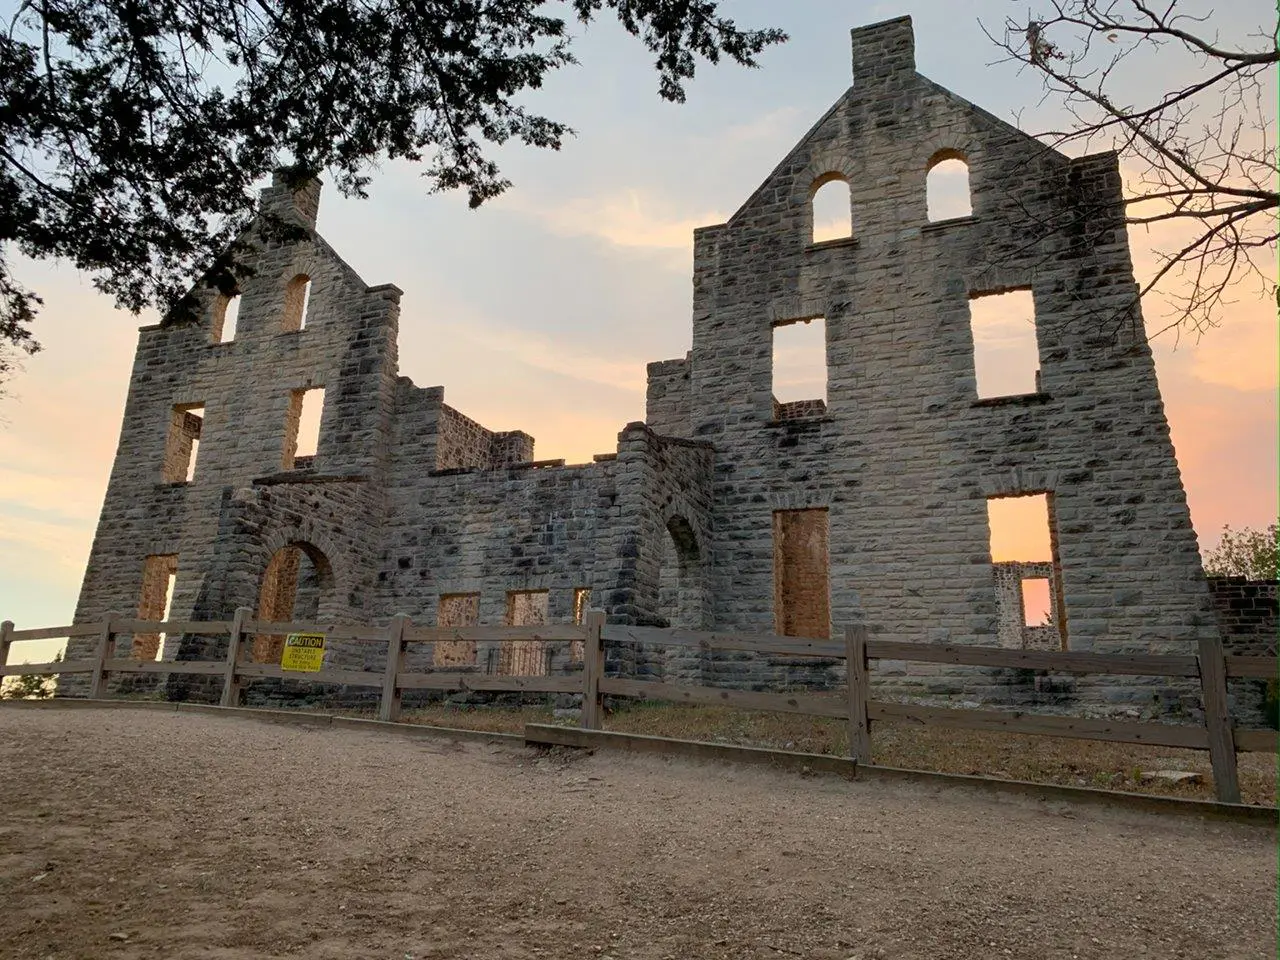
{"type": "Point", "coordinates": [297, 577]}
{"type": "Point", "coordinates": [680, 578]}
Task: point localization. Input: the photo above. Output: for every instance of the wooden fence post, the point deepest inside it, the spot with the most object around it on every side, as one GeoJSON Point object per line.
{"type": "Point", "coordinates": [859, 682]}
{"type": "Point", "coordinates": [106, 649]}
{"type": "Point", "coordinates": [235, 644]}
{"type": "Point", "coordinates": [1217, 718]}
{"type": "Point", "coordinates": [592, 670]}
{"type": "Point", "coordinates": [389, 702]}
{"type": "Point", "coordinates": [6, 629]}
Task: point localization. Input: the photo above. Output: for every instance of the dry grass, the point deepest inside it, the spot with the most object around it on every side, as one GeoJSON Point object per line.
{"type": "Point", "coordinates": [1084, 763]}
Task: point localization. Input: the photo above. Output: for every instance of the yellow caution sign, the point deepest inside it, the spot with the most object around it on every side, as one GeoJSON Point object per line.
{"type": "Point", "coordinates": [303, 652]}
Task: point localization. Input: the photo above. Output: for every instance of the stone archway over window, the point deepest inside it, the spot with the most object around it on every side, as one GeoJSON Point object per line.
{"type": "Point", "coordinates": [296, 578]}
{"type": "Point", "coordinates": [680, 579]}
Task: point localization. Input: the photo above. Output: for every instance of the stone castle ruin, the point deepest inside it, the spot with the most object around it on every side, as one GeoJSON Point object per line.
{"type": "Point", "coordinates": [726, 508]}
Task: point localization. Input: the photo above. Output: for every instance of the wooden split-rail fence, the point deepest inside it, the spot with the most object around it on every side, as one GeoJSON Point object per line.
{"type": "Point", "coordinates": [1209, 667]}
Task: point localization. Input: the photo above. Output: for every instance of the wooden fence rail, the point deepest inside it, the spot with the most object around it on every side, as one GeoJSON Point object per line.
{"type": "Point", "coordinates": [1209, 667]}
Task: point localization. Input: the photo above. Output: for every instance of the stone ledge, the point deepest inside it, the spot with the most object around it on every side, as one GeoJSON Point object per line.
{"type": "Point", "coordinates": [301, 476]}
{"type": "Point", "coordinates": [1015, 400]}
{"type": "Point", "coordinates": [832, 244]}
{"type": "Point", "coordinates": [937, 226]}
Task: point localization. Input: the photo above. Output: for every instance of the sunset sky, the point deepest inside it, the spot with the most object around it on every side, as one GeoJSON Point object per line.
{"type": "Point", "coordinates": [539, 311]}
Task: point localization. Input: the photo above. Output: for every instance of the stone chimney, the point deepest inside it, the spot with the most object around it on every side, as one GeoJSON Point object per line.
{"type": "Point", "coordinates": [299, 205]}
{"type": "Point", "coordinates": [884, 54]}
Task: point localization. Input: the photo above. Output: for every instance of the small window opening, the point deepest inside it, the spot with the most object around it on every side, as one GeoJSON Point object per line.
{"type": "Point", "coordinates": [186, 421]}
{"type": "Point", "coordinates": [581, 600]}
{"type": "Point", "coordinates": [525, 658]}
{"type": "Point", "coordinates": [226, 317]}
{"type": "Point", "coordinates": [159, 575]}
{"type": "Point", "coordinates": [801, 573]}
{"type": "Point", "coordinates": [302, 427]}
{"type": "Point", "coordinates": [1006, 354]}
{"type": "Point", "coordinates": [297, 301]}
{"type": "Point", "coordinates": [947, 188]}
{"type": "Point", "coordinates": [799, 369]}
{"type": "Point", "coordinates": [832, 209]}
{"type": "Point", "coordinates": [1036, 611]}
{"type": "Point", "coordinates": [456, 610]}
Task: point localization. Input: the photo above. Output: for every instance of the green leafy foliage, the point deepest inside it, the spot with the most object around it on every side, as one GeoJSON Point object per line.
{"type": "Point", "coordinates": [31, 686]}
{"type": "Point", "coordinates": [131, 133]}
{"type": "Point", "coordinates": [1245, 553]}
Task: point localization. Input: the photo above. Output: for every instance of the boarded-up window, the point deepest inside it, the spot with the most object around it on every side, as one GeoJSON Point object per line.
{"type": "Point", "coordinates": [525, 658]}
{"type": "Point", "coordinates": [159, 574]}
{"type": "Point", "coordinates": [186, 421]}
{"type": "Point", "coordinates": [801, 574]}
{"type": "Point", "coordinates": [456, 610]}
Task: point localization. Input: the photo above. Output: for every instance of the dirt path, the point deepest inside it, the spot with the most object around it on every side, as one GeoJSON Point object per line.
{"type": "Point", "coordinates": [140, 835]}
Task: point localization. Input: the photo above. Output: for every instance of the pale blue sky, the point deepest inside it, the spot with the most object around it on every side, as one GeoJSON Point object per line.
{"type": "Point", "coordinates": [539, 311]}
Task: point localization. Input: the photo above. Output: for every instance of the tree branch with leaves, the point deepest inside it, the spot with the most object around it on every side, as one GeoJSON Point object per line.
{"type": "Point", "coordinates": [132, 132]}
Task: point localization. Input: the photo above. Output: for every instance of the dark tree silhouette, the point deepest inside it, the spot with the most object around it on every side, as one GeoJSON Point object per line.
{"type": "Point", "coordinates": [1199, 157]}
{"type": "Point", "coordinates": [132, 131]}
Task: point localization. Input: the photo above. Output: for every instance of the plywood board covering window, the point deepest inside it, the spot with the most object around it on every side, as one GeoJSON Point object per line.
{"type": "Point", "coordinates": [801, 573]}
{"type": "Point", "coordinates": [456, 610]}
{"type": "Point", "coordinates": [525, 658]}
{"type": "Point", "coordinates": [1006, 352]}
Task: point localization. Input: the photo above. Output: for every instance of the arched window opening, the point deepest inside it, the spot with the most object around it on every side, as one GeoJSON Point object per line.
{"type": "Point", "coordinates": [226, 315]}
{"type": "Point", "coordinates": [832, 209]}
{"type": "Point", "coordinates": [296, 578]}
{"type": "Point", "coordinates": [947, 187]}
{"type": "Point", "coordinates": [297, 301]}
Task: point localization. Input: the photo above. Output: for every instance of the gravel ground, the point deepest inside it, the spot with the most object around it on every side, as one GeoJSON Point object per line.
{"type": "Point", "coordinates": [134, 834]}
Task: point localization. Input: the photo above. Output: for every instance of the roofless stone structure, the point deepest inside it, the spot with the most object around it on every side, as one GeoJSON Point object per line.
{"type": "Point", "coordinates": [726, 507]}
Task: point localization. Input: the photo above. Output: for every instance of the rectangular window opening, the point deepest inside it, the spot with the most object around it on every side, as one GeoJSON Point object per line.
{"type": "Point", "coordinates": [456, 610]}
{"type": "Point", "coordinates": [226, 316]}
{"type": "Point", "coordinates": [801, 573]}
{"type": "Point", "coordinates": [1024, 543]}
{"type": "Point", "coordinates": [186, 421]}
{"type": "Point", "coordinates": [800, 368]}
{"type": "Point", "coordinates": [1020, 529]}
{"type": "Point", "coordinates": [1036, 610]}
{"type": "Point", "coordinates": [1006, 354]}
{"type": "Point", "coordinates": [525, 658]}
{"type": "Point", "coordinates": [581, 601]}
{"type": "Point", "coordinates": [159, 576]}
{"type": "Point", "coordinates": [302, 427]}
